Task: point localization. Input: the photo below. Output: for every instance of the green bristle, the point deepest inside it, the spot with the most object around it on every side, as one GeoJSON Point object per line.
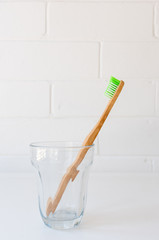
{"type": "Point", "coordinates": [112, 86]}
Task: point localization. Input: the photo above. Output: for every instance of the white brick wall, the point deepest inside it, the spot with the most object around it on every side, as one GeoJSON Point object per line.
{"type": "Point", "coordinates": [22, 20]}
{"type": "Point", "coordinates": [141, 97]}
{"type": "Point", "coordinates": [74, 99]}
{"type": "Point", "coordinates": [137, 104]}
{"type": "Point", "coordinates": [48, 60]}
{"type": "Point", "coordinates": [131, 59]}
{"type": "Point", "coordinates": [19, 133]}
{"type": "Point", "coordinates": [100, 21]}
{"type": "Point", "coordinates": [22, 99]}
{"type": "Point", "coordinates": [56, 58]}
{"type": "Point", "coordinates": [133, 137]}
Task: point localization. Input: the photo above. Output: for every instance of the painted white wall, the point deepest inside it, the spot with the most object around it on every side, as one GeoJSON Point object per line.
{"type": "Point", "coordinates": [56, 58]}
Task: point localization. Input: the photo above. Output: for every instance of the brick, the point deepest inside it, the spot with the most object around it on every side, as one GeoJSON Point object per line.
{"type": "Point", "coordinates": [130, 60]}
{"type": "Point", "coordinates": [88, 99]}
{"type": "Point", "coordinates": [130, 136]}
{"type": "Point", "coordinates": [24, 99]}
{"type": "Point", "coordinates": [22, 20]}
{"type": "Point", "coordinates": [100, 21]}
{"type": "Point", "coordinates": [17, 134]}
{"type": "Point", "coordinates": [48, 60]}
{"type": "Point", "coordinates": [122, 164]}
{"type": "Point", "coordinates": [137, 99]}
{"type": "Point", "coordinates": [79, 99]}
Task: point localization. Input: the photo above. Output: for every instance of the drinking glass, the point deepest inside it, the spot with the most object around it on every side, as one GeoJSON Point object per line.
{"type": "Point", "coordinates": [51, 160]}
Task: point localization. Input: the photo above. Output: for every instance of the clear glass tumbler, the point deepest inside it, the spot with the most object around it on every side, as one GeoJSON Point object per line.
{"type": "Point", "coordinates": [52, 159]}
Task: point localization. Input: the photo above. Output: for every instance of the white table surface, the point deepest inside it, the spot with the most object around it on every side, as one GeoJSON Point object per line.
{"type": "Point", "coordinates": [119, 206]}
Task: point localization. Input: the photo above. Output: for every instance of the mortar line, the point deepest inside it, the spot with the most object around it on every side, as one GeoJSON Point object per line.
{"type": "Point", "coordinates": [83, 41]}
{"type": "Point", "coordinates": [46, 19]}
{"type": "Point", "coordinates": [152, 166]}
{"type": "Point", "coordinates": [100, 59]}
{"type": "Point", "coordinates": [50, 99]}
{"type": "Point", "coordinates": [156, 102]}
{"type": "Point", "coordinates": [153, 22]}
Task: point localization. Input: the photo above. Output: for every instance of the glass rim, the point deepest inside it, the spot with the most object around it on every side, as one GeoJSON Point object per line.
{"type": "Point", "coordinates": [60, 145]}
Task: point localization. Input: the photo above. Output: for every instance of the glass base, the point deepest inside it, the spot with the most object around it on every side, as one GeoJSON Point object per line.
{"type": "Point", "coordinates": [63, 219]}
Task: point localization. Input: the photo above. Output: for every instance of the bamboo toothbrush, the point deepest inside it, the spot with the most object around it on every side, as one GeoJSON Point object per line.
{"type": "Point", "coordinates": [112, 92]}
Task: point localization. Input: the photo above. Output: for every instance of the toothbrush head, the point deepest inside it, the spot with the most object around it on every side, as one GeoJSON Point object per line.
{"type": "Point", "coordinates": [112, 86]}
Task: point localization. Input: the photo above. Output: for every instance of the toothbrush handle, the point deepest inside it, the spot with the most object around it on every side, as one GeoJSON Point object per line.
{"type": "Point", "coordinates": [72, 170]}
{"type": "Point", "coordinates": [52, 204]}
{"type": "Point", "coordinates": [94, 132]}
